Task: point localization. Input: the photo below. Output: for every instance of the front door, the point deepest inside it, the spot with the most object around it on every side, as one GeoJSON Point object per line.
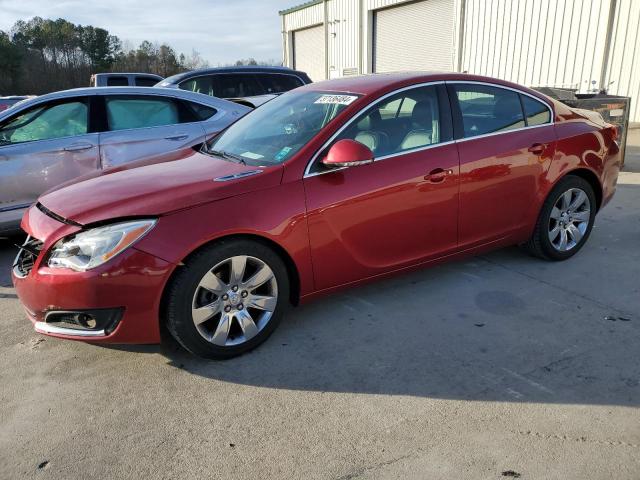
{"type": "Point", "coordinates": [42, 147]}
{"type": "Point", "coordinates": [398, 211]}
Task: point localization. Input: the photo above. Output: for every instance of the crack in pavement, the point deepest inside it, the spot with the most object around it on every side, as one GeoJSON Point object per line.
{"type": "Point", "coordinates": [363, 470]}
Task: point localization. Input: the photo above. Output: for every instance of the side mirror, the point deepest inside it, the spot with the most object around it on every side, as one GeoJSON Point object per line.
{"type": "Point", "coordinates": [348, 153]}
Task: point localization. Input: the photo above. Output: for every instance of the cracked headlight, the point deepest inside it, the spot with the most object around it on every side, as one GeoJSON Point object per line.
{"type": "Point", "coordinates": [91, 248]}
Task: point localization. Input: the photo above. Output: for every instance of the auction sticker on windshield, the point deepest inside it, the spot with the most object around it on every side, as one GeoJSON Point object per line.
{"type": "Point", "coordinates": [336, 99]}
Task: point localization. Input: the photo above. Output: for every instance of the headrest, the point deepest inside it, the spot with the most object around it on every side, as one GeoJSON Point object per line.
{"type": "Point", "coordinates": [507, 107]}
{"type": "Point", "coordinates": [422, 114]}
{"type": "Point", "coordinates": [364, 124]}
{"type": "Point", "coordinates": [371, 121]}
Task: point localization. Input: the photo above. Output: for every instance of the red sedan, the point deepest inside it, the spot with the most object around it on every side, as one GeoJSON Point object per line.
{"type": "Point", "coordinates": [327, 186]}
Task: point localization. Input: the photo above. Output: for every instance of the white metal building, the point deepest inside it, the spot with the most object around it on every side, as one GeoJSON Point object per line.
{"type": "Point", "coordinates": [583, 44]}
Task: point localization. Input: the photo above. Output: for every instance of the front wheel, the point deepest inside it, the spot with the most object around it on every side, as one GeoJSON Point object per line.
{"type": "Point", "coordinates": [565, 221]}
{"type": "Point", "coordinates": [227, 299]}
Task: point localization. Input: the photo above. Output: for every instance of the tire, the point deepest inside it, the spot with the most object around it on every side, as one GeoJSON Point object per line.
{"type": "Point", "coordinates": [208, 318]}
{"type": "Point", "coordinates": [541, 244]}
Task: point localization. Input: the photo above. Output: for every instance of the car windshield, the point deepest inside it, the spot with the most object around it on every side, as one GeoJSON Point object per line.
{"type": "Point", "coordinates": [277, 130]}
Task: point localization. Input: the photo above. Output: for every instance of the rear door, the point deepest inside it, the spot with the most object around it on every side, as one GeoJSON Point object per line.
{"type": "Point", "coordinates": [146, 127]}
{"type": "Point", "coordinates": [506, 141]}
{"type": "Point", "coordinates": [42, 147]}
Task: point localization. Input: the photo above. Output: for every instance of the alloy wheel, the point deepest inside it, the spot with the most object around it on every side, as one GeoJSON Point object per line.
{"type": "Point", "coordinates": [569, 219]}
{"type": "Point", "coordinates": [234, 300]}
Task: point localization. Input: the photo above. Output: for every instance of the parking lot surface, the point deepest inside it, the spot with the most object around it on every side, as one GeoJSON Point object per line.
{"type": "Point", "coordinates": [493, 367]}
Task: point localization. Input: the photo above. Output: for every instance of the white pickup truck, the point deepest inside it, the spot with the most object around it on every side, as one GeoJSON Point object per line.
{"type": "Point", "coordinates": [124, 80]}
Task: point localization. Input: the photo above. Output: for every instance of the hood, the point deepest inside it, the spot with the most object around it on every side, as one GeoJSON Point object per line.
{"type": "Point", "coordinates": [153, 189]}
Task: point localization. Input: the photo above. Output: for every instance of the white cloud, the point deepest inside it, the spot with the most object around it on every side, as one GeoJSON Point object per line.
{"type": "Point", "coordinates": [222, 31]}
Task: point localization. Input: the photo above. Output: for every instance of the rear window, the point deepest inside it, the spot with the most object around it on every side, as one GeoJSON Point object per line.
{"type": "Point", "coordinates": [201, 112]}
{"type": "Point", "coordinates": [145, 82]}
{"type": "Point", "coordinates": [117, 81]}
{"type": "Point", "coordinates": [537, 113]}
{"type": "Point", "coordinates": [140, 112]}
{"type": "Point", "coordinates": [487, 109]}
{"type": "Point", "coordinates": [227, 85]}
{"type": "Point", "coordinates": [278, 83]}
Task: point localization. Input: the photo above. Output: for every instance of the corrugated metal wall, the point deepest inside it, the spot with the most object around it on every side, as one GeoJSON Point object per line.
{"type": "Point", "coordinates": [623, 70]}
{"type": "Point", "coordinates": [536, 42]}
{"type": "Point", "coordinates": [532, 42]}
{"type": "Point", "coordinates": [302, 18]}
{"type": "Point", "coordinates": [414, 36]}
{"type": "Point", "coordinates": [343, 29]}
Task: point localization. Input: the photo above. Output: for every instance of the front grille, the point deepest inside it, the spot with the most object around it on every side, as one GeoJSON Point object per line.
{"type": "Point", "coordinates": [27, 256]}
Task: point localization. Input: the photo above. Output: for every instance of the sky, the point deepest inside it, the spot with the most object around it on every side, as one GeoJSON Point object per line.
{"type": "Point", "coordinates": [221, 30]}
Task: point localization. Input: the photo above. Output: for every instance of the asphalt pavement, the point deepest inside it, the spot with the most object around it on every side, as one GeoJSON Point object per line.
{"type": "Point", "coordinates": [499, 366]}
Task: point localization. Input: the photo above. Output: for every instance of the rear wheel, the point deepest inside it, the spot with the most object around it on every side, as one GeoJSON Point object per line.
{"type": "Point", "coordinates": [565, 221]}
{"type": "Point", "coordinates": [227, 299]}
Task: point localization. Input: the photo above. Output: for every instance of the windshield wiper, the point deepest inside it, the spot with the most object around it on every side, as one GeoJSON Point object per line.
{"type": "Point", "coordinates": [230, 156]}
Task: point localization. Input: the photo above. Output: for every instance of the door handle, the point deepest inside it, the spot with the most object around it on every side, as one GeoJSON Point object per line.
{"type": "Point", "coordinates": [176, 138]}
{"type": "Point", "coordinates": [76, 147]}
{"type": "Point", "coordinates": [438, 175]}
{"type": "Point", "coordinates": [537, 148]}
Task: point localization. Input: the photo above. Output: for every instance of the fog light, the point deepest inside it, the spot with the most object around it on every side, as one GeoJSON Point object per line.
{"type": "Point", "coordinates": [103, 319]}
{"type": "Point", "coordinates": [86, 320]}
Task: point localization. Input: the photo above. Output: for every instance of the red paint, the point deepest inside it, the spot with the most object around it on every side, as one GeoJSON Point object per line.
{"type": "Point", "coordinates": [348, 152]}
{"type": "Point", "coordinates": [340, 228]}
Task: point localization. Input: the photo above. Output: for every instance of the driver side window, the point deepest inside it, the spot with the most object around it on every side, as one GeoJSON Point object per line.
{"type": "Point", "coordinates": [44, 122]}
{"type": "Point", "coordinates": [402, 122]}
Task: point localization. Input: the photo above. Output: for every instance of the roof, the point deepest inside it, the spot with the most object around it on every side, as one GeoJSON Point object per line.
{"type": "Point", "coordinates": [381, 83]}
{"type": "Point", "coordinates": [236, 69]}
{"type": "Point", "coordinates": [300, 7]}
{"type": "Point", "coordinates": [118, 74]}
{"type": "Point", "coordinates": [167, 92]}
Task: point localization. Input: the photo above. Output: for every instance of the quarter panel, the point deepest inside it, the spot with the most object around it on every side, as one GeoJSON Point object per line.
{"type": "Point", "coordinates": [582, 144]}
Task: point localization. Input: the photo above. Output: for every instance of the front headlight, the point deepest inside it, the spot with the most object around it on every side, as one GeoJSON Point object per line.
{"type": "Point", "coordinates": [88, 249]}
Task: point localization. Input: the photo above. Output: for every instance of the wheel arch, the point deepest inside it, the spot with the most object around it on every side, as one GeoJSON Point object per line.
{"type": "Point", "coordinates": [292, 269]}
{"type": "Point", "coordinates": [591, 178]}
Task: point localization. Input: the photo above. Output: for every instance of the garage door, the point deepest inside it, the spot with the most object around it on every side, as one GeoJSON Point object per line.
{"type": "Point", "coordinates": [417, 36]}
{"type": "Point", "coordinates": [308, 52]}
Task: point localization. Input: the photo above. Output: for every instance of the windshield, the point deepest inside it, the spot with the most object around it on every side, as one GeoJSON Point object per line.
{"type": "Point", "coordinates": [277, 130]}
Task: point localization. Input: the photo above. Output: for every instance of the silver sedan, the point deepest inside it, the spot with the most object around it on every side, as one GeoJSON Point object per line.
{"type": "Point", "coordinates": [53, 138]}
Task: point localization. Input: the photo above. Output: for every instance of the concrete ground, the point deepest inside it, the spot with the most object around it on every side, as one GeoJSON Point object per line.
{"type": "Point", "coordinates": [500, 366]}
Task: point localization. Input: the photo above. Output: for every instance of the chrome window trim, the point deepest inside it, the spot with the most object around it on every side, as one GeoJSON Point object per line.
{"type": "Point", "coordinates": [307, 171]}
{"type": "Point", "coordinates": [504, 87]}
{"type": "Point", "coordinates": [466, 139]}
{"type": "Point", "coordinates": [386, 157]}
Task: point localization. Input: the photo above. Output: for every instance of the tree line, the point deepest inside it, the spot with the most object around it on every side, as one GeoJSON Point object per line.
{"type": "Point", "coordinates": [41, 55]}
